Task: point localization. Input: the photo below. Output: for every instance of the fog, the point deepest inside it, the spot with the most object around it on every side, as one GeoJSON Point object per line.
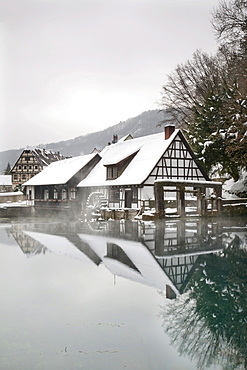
{"type": "Point", "coordinates": [73, 67]}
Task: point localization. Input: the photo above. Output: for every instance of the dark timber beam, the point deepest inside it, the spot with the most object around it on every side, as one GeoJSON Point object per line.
{"type": "Point", "coordinates": [159, 199]}
{"type": "Point", "coordinates": [180, 189]}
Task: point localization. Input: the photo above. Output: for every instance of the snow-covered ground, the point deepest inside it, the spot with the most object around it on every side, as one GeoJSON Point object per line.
{"type": "Point", "coordinates": [232, 188]}
{"type": "Point", "coordinates": [14, 204]}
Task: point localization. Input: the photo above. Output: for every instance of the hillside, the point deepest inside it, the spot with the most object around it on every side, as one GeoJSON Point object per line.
{"type": "Point", "coordinates": [144, 124]}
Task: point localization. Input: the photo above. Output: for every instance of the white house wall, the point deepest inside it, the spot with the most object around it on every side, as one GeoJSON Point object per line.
{"type": "Point", "coordinates": [176, 163]}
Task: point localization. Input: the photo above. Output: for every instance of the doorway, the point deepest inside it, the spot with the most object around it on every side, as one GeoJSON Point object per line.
{"type": "Point", "coordinates": [127, 198]}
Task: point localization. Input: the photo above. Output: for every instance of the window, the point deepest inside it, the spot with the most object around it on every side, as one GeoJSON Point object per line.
{"type": "Point", "coordinates": [19, 167]}
{"type": "Point", "coordinates": [55, 195]}
{"type": "Point", "coordinates": [23, 177]}
{"type": "Point", "coordinates": [46, 194]}
{"type": "Point", "coordinates": [112, 172]}
{"type": "Point", "coordinates": [15, 177]}
{"type": "Point", "coordinates": [64, 194]}
{"type": "Point", "coordinates": [36, 167]}
{"type": "Point", "coordinates": [72, 193]}
{"type": "Point", "coordinates": [30, 168]}
{"type": "Point", "coordinates": [24, 167]}
{"type": "Point", "coordinates": [134, 195]}
{"type": "Point", "coordinates": [114, 195]}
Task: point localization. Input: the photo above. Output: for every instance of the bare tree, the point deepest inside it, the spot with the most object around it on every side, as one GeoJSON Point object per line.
{"type": "Point", "coordinates": [186, 87]}
{"type": "Point", "coordinates": [229, 21]}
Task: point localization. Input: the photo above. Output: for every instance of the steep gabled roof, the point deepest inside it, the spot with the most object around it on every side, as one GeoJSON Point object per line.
{"type": "Point", "coordinates": [46, 157]}
{"type": "Point", "coordinates": [61, 172]}
{"type": "Point", "coordinates": [125, 138]}
{"type": "Point", "coordinates": [43, 156]}
{"type": "Point", "coordinates": [148, 149]}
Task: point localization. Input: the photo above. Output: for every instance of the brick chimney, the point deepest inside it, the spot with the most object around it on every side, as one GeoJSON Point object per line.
{"type": "Point", "coordinates": [115, 139]}
{"type": "Point", "coordinates": [169, 129]}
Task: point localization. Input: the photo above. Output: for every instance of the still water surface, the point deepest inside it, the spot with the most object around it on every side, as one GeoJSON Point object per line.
{"type": "Point", "coordinates": [123, 295]}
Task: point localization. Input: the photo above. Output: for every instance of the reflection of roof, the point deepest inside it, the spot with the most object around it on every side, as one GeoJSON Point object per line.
{"type": "Point", "coordinates": [58, 244]}
{"type": "Point", "coordinates": [60, 172]}
{"type": "Point", "coordinates": [148, 271]}
{"type": "Point", "coordinates": [149, 150]}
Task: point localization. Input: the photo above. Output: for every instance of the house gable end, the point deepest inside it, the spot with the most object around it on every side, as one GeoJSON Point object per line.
{"type": "Point", "coordinates": [186, 144]}
{"type": "Point", "coordinates": [25, 167]}
{"type": "Point", "coordinates": [31, 162]}
{"type": "Point", "coordinates": [177, 162]}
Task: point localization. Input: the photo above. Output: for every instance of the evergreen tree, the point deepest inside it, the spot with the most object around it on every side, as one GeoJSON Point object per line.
{"type": "Point", "coordinates": [7, 169]}
{"type": "Point", "coordinates": [218, 131]}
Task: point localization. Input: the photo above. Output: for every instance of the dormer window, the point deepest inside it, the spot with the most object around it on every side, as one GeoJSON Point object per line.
{"type": "Point", "coordinates": [115, 167]}
{"type": "Point", "coordinates": [112, 172]}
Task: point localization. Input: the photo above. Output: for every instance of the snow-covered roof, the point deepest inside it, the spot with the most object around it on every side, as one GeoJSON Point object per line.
{"type": "Point", "coordinates": [125, 138]}
{"type": "Point", "coordinates": [5, 180]}
{"type": "Point", "coordinates": [149, 150]}
{"type": "Point", "coordinates": [60, 172]}
{"type": "Point", "coordinates": [11, 194]}
{"type": "Point", "coordinates": [123, 154]}
{"type": "Point", "coordinates": [41, 156]}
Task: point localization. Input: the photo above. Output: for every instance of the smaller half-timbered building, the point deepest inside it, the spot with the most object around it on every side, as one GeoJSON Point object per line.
{"type": "Point", "coordinates": [31, 162]}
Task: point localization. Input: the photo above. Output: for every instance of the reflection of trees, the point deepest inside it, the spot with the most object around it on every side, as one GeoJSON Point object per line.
{"type": "Point", "coordinates": [209, 322]}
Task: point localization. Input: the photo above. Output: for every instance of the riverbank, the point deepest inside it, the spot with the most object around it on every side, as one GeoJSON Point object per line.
{"type": "Point", "coordinates": [19, 209]}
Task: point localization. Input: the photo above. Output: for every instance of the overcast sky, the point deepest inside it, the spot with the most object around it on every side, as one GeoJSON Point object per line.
{"type": "Point", "coordinates": [70, 67]}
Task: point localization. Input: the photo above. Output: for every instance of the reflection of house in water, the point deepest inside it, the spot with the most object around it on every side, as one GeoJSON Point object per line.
{"type": "Point", "coordinates": [129, 259]}
{"type": "Point", "coordinates": [28, 245]}
{"type": "Point", "coordinates": [33, 242]}
{"type": "Point", "coordinates": [178, 245]}
{"type": "Point", "coordinates": [163, 255]}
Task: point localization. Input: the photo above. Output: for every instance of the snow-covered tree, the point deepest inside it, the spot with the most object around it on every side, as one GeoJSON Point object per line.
{"type": "Point", "coordinates": [218, 131]}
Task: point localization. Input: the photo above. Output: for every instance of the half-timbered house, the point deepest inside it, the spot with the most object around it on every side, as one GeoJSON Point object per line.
{"type": "Point", "coordinates": [55, 186]}
{"type": "Point", "coordinates": [31, 162]}
{"type": "Point", "coordinates": [126, 174]}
